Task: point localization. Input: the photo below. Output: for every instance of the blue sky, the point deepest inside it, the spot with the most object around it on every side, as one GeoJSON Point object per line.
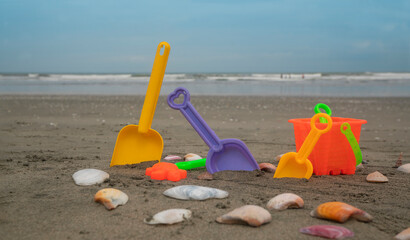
{"type": "Point", "coordinates": [205, 36]}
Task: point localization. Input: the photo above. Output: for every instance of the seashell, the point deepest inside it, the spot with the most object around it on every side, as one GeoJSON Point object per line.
{"type": "Point", "coordinates": [277, 158]}
{"type": "Point", "coordinates": [205, 176]}
{"type": "Point", "coordinates": [248, 214]}
{"type": "Point", "coordinates": [327, 231]}
{"type": "Point", "coordinates": [284, 201]}
{"type": "Point", "coordinates": [340, 212]}
{"type": "Point", "coordinates": [89, 176]}
{"type": "Point", "coordinates": [172, 158]}
{"type": "Point", "coordinates": [399, 161]}
{"type": "Point", "coordinates": [376, 177]}
{"type": "Point", "coordinates": [403, 235]}
{"type": "Point", "coordinates": [111, 198]}
{"type": "Point", "coordinates": [192, 192]}
{"type": "Point", "coordinates": [359, 167]}
{"type": "Point", "coordinates": [191, 157]}
{"type": "Point", "coordinates": [169, 216]}
{"type": "Point", "coordinates": [267, 167]}
{"type": "Point", "coordinates": [404, 168]}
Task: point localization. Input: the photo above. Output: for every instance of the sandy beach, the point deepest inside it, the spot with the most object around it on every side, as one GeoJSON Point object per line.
{"type": "Point", "coordinates": [45, 139]}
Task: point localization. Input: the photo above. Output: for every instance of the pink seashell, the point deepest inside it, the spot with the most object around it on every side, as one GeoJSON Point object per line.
{"type": "Point", "coordinates": [267, 167]}
{"type": "Point", "coordinates": [248, 214]}
{"type": "Point", "coordinates": [327, 231]}
{"type": "Point", "coordinates": [404, 168]}
{"type": "Point", "coordinates": [376, 177]}
{"type": "Point", "coordinates": [205, 176]}
{"type": "Point", "coordinates": [403, 235]}
{"type": "Point", "coordinates": [284, 201]}
{"type": "Point", "coordinates": [191, 157]}
{"type": "Point", "coordinates": [172, 158]}
{"type": "Point", "coordinates": [111, 198]}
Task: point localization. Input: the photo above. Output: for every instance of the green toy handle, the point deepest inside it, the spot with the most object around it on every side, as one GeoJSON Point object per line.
{"type": "Point", "coordinates": [191, 164]}
{"type": "Point", "coordinates": [324, 107]}
{"type": "Point", "coordinates": [353, 142]}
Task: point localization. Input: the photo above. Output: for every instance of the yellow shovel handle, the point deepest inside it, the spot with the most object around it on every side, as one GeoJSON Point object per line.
{"type": "Point", "coordinates": [154, 87]}
{"type": "Point", "coordinates": [313, 137]}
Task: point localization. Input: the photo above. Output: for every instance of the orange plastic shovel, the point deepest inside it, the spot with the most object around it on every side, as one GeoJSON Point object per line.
{"type": "Point", "coordinates": [296, 165]}
{"type": "Point", "coordinates": [140, 143]}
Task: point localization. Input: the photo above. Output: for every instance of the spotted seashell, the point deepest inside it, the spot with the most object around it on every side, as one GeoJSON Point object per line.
{"type": "Point", "coordinates": [404, 168]}
{"type": "Point", "coordinates": [192, 192]}
{"type": "Point", "coordinates": [248, 214]}
{"type": "Point", "coordinates": [192, 156]}
{"type": "Point", "coordinates": [89, 176]}
{"type": "Point", "coordinates": [376, 177]}
{"type": "Point", "coordinates": [205, 176]}
{"type": "Point", "coordinates": [169, 216]}
{"type": "Point", "coordinates": [111, 198]}
{"type": "Point", "coordinates": [340, 212]}
{"type": "Point", "coordinates": [172, 158]}
{"type": "Point", "coordinates": [267, 167]}
{"type": "Point", "coordinates": [284, 201]}
{"type": "Point", "coordinates": [327, 231]}
{"type": "Point", "coordinates": [403, 235]}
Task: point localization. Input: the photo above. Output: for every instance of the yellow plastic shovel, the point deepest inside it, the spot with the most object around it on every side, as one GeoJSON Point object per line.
{"type": "Point", "coordinates": [296, 165]}
{"type": "Point", "coordinates": [140, 143]}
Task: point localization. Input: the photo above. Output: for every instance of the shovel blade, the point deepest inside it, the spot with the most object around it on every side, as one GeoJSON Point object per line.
{"type": "Point", "coordinates": [234, 156]}
{"type": "Point", "coordinates": [289, 167]}
{"type": "Point", "coordinates": [134, 147]}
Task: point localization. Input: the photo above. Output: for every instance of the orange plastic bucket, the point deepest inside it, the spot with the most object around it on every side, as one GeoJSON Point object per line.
{"type": "Point", "coordinates": [332, 154]}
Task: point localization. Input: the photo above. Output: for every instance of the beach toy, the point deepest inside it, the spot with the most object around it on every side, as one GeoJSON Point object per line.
{"type": "Point", "coordinates": [165, 171]}
{"type": "Point", "coordinates": [140, 143]}
{"type": "Point", "coordinates": [225, 154]}
{"type": "Point", "coordinates": [191, 164]}
{"type": "Point", "coordinates": [297, 165]}
{"type": "Point", "coordinates": [332, 154]}
{"type": "Point", "coordinates": [324, 107]}
{"type": "Point", "coordinates": [347, 131]}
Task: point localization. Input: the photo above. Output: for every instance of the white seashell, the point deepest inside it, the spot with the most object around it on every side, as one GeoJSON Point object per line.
{"type": "Point", "coordinates": [404, 168]}
{"type": "Point", "coordinates": [111, 198]}
{"type": "Point", "coordinates": [403, 235]}
{"type": "Point", "coordinates": [192, 192]}
{"type": "Point", "coordinates": [248, 214]}
{"type": "Point", "coordinates": [192, 156]}
{"type": "Point", "coordinates": [89, 176]}
{"type": "Point", "coordinates": [277, 158]}
{"type": "Point", "coordinates": [359, 167]}
{"type": "Point", "coordinates": [376, 177]}
{"type": "Point", "coordinates": [284, 201]}
{"type": "Point", "coordinates": [169, 216]}
{"type": "Point", "coordinates": [172, 158]}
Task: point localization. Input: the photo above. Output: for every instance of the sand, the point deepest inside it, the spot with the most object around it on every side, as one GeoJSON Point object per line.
{"type": "Point", "coordinates": [45, 139]}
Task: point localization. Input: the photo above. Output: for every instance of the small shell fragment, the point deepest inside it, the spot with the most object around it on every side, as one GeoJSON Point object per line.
{"type": "Point", "coordinates": [172, 158]}
{"type": "Point", "coordinates": [169, 216]}
{"type": "Point", "coordinates": [284, 201]}
{"type": "Point", "coordinates": [248, 214]}
{"type": "Point", "coordinates": [376, 177]}
{"type": "Point", "coordinates": [191, 157]}
{"type": "Point", "coordinates": [277, 158]}
{"type": "Point", "coordinates": [404, 168]}
{"type": "Point", "coordinates": [111, 198]}
{"type": "Point", "coordinates": [205, 176]}
{"type": "Point", "coordinates": [193, 192]}
{"type": "Point", "coordinates": [267, 167]}
{"type": "Point", "coordinates": [89, 176]}
{"type": "Point", "coordinates": [327, 231]}
{"type": "Point", "coordinates": [403, 235]}
{"type": "Point", "coordinates": [340, 212]}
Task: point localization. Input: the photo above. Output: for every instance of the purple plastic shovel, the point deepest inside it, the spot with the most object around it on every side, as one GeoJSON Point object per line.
{"type": "Point", "coordinates": [225, 154]}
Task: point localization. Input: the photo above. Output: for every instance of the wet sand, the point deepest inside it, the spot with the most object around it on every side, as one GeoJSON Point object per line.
{"type": "Point", "coordinates": [45, 139]}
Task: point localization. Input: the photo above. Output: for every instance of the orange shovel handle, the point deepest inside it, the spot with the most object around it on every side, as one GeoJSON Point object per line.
{"type": "Point", "coordinates": [313, 137]}
{"type": "Point", "coordinates": [154, 87]}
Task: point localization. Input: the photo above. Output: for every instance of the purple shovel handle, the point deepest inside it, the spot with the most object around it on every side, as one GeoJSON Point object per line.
{"type": "Point", "coordinates": [194, 118]}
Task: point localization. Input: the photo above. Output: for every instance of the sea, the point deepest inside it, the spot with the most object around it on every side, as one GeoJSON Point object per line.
{"type": "Point", "coordinates": [368, 84]}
